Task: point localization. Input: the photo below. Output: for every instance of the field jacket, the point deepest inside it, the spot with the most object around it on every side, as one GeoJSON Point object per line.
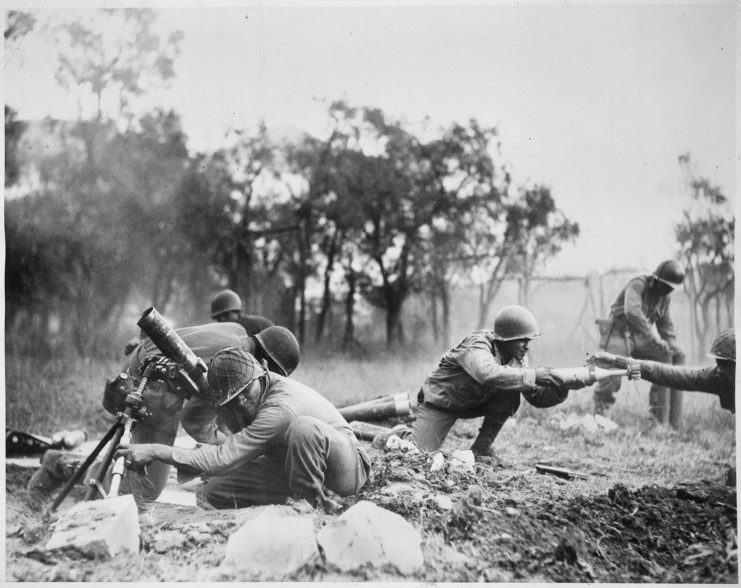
{"type": "Point", "coordinates": [472, 372]}
{"type": "Point", "coordinates": [282, 401]}
{"type": "Point", "coordinates": [638, 307]}
{"type": "Point", "coordinates": [706, 379]}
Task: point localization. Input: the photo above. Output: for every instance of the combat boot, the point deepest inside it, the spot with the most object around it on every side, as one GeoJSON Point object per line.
{"type": "Point", "coordinates": [482, 449]}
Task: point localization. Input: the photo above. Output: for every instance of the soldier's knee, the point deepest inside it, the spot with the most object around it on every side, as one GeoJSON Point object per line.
{"type": "Point", "coordinates": [304, 428]}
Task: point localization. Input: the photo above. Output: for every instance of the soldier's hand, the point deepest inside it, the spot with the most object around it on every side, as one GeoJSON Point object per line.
{"type": "Point", "coordinates": [664, 347]}
{"type": "Point", "coordinates": [677, 355]}
{"type": "Point", "coordinates": [545, 376]}
{"type": "Point", "coordinates": [138, 456]}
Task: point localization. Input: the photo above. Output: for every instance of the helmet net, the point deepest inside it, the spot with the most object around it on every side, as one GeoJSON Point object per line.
{"type": "Point", "coordinates": [724, 346]}
{"type": "Point", "coordinates": [229, 371]}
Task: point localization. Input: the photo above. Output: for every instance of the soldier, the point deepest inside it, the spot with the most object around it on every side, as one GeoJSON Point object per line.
{"type": "Point", "coordinates": [484, 375]}
{"type": "Point", "coordinates": [276, 347]}
{"type": "Point", "coordinates": [285, 441]}
{"type": "Point", "coordinates": [719, 379]}
{"type": "Point", "coordinates": [226, 306]}
{"type": "Point", "coordinates": [642, 303]}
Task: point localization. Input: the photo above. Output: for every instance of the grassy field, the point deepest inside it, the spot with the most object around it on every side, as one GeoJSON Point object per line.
{"type": "Point", "coordinates": [626, 513]}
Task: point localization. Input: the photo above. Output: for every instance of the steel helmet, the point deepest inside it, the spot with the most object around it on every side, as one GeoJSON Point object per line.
{"type": "Point", "coordinates": [724, 346]}
{"type": "Point", "coordinates": [515, 322]}
{"type": "Point", "coordinates": [225, 301]}
{"type": "Point", "coordinates": [670, 272]}
{"type": "Point", "coordinates": [230, 372]}
{"type": "Point", "coordinates": [281, 346]}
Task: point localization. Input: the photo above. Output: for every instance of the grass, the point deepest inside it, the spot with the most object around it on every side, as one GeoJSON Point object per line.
{"type": "Point", "coordinates": [47, 396]}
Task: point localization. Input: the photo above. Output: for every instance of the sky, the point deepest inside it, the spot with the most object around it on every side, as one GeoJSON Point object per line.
{"type": "Point", "coordinates": [596, 101]}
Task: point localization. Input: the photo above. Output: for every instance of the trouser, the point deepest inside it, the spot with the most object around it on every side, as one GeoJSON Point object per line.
{"type": "Point", "coordinates": [432, 424]}
{"type": "Point", "coordinates": [316, 456]}
{"type": "Point", "coordinates": [658, 397]}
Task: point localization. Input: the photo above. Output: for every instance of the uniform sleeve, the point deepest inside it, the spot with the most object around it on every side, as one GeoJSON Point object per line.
{"type": "Point", "coordinates": [247, 445]}
{"type": "Point", "coordinates": [546, 396]}
{"type": "Point", "coordinates": [199, 421]}
{"type": "Point", "coordinates": [633, 307]}
{"type": "Point", "coordinates": [665, 326]}
{"type": "Point", "coordinates": [478, 361]}
{"type": "Point", "coordinates": [680, 377]}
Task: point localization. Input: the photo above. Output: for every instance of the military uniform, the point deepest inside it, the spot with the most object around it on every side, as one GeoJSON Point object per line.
{"type": "Point", "coordinates": [471, 381]}
{"type": "Point", "coordinates": [297, 444]}
{"type": "Point", "coordinates": [637, 308]}
{"type": "Point", "coordinates": [692, 379]}
{"type": "Point", "coordinates": [253, 323]}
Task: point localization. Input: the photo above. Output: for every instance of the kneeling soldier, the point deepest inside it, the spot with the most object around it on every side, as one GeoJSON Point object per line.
{"type": "Point", "coordinates": [484, 375]}
{"type": "Point", "coordinates": [286, 441]}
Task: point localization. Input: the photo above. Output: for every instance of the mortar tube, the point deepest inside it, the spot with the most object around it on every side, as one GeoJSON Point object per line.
{"type": "Point", "coordinates": [376, 411]}
{"type": "Point", "coordinates": [401, 397]}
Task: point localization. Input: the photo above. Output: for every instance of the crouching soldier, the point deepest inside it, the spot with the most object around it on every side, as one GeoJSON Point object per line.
{"type": "Point", "coordinates": [485, 375]}
{"type": "Point", "coordinates": [285, 441]}
{"type": "Point", "coordinates": [164, 399]}
{"type": "Point", "coordinates": [719, 379]}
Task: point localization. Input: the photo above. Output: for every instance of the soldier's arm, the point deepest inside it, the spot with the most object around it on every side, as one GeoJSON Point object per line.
{"type": "Point", "coordinates": [692, 379]}
{"type": "Point", "coordinates": [244, 446]}
{"type": "Point", "coordinates": [633, 308]}
{"type": "Point", "coordinates": [665, 326]}
{"type": "Point", "coordinates": [481, 365]}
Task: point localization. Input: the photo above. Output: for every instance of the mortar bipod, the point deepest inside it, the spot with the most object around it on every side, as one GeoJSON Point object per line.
{"type": "Point", "coordinates": [118, 433]}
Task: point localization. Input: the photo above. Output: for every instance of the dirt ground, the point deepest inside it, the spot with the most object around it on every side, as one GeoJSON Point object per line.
{"type": "Point", "coordinates": [508, 523]}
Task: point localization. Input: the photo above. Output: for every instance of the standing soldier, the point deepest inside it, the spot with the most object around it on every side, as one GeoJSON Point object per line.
{"type": "Point", "coordinates": [226, 306]}
{"type": "Point", "coordinates": [643, 302]}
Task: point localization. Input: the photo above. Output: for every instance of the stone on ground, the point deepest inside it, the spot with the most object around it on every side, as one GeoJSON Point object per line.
{"type": "Point", "coordinates": [272, 544]}
{"type": "Point", "coordinates": [98, 528]}
{"type": "Point", "coordinates": [369, 534]}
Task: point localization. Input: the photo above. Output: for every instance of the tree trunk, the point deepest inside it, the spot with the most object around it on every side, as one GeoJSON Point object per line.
{"type": "Point", "coordinates": [327, 294]}
{"type": "Point", "coordinates": [348, 337]}
{"type": "Point", "coordinates": [433, 316]}
{"type": "Point", "coordinates": [445, 300]}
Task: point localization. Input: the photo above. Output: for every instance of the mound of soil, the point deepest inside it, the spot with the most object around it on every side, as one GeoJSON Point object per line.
{"type": "Point", "coordinates": [489, 524]}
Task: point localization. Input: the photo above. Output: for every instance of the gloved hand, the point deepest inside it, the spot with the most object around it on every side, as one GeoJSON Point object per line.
{"type": "Point", "coordinates": [545, 376]}
{"type": "Point", "coordinates": [608, 360]}
{"type": "Point", "coordinates": [663, 346]}
{"type": "Point", "coordinates": [677, 354]}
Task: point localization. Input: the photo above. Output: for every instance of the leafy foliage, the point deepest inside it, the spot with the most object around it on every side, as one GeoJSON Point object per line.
{"type": "Point", "coordinates": [705, 238]}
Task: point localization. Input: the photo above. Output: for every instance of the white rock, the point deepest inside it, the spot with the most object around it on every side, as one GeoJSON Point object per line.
{"type": "Point", "coordinates": [438, 461]}
{"type": "Point", "coordinates": [99, 528]}
{"type": "Point", "coordinates": [605, 423]}
{"type": "Point", "coordinates": [403, 445]}
{"type": "Point", "coordinates": [462, 460]}
{"type": "Point", "coordinates": [369, 534]}
{"type": "Point", "coordinates": [271, 545]}
{"type": "Point", "coordinates": [443, 502]}
{"type": "Point", "coordinates": [589, 424]}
